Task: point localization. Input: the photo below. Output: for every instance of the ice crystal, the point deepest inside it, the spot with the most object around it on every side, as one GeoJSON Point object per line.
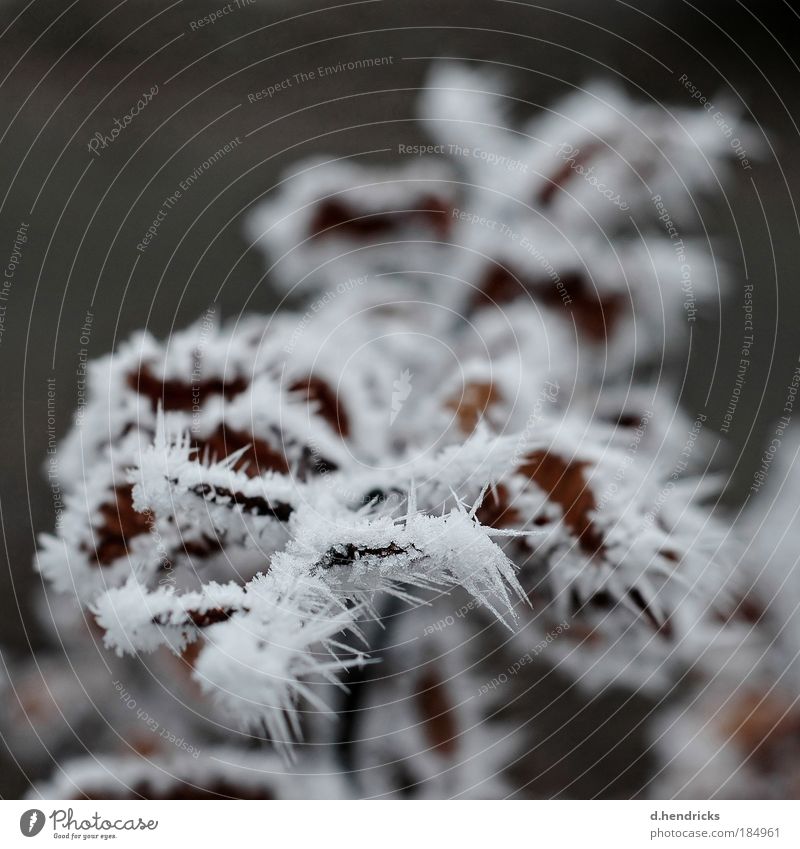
{"type": "Point", "coordinates": [462, 411]}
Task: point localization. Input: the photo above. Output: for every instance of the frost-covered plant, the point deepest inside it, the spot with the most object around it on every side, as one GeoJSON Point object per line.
{"type": "Point", "coordinates": [455, 447]}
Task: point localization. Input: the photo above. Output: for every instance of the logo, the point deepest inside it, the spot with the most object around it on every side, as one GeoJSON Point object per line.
{"type": "Point", "coordinates": [401, 390]}
{"type": "Point", "coordinates": [31, 822]}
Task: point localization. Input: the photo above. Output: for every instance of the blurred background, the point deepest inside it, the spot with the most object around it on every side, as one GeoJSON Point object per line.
{"type": "Point", "coordinates": [70, 69]}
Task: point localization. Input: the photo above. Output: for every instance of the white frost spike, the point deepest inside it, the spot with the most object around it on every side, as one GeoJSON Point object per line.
{"type": "Point", "coordinates": [163, 461]}
{"type": "Point", "coordinates": [137, 620]}
{"type": "Point", "coordinates": [257, 665]}
{"type": "Point", "coordinates": [172, 477]}
{"type": "Point", "coordinates": [521, 416]}
{"type": "Point", "coordinates": [462, 550]}
{"type": "Point", "coordinates": [358, 556]}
